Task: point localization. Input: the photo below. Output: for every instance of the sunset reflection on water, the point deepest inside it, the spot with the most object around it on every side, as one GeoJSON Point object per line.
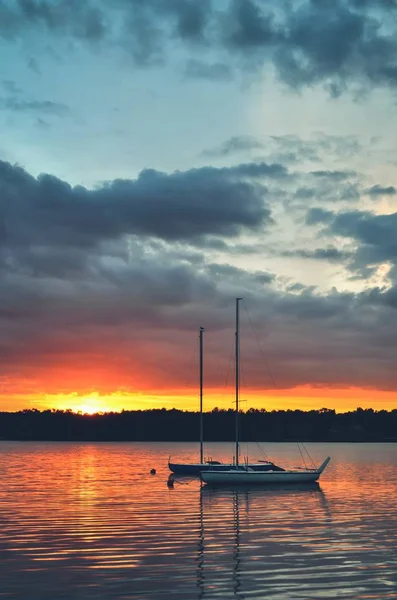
{"type": "Point", "coordinates": [88, 521]}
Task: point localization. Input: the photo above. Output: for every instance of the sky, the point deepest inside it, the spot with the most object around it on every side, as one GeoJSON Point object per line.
{"type": "Point", "coordinates": [159, 158]}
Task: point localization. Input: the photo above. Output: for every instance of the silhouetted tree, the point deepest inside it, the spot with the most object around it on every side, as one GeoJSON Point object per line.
{"type": "Point", "coordinates": [219, 425]}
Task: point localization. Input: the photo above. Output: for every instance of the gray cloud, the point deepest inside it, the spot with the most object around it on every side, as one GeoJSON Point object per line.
{"type": "Point", "coordinates": [81, 20]}
{"type": "Point", "coordinates": [133, 305]}
{"type": "Point", "coordinates": [337, 44]}
{"type": "Point", "coordinates": [121, 276]}
{"type": "Point", "coordinates": [180, 205]}
{"type": "Point", "coordinates": [366, 227]}
{"type": "Point", "coordinates": [379, 190]}
{"type": "Point", "coordinates": [375, 237]}
{"type": "Point", "coordinates": [334, 175]}
{"type": "Point", "coordinates": [235, 145]}
{"type": "Point", "coordinates": [318, 215]}
{"type": "Point", "coordinates": [196, 69]}
{"type": "Point", "coordinates": [329, 254]}
{"type": "Point", "coordinates": [18, 104]}
{"type": "Point", "coordinates": [321, 144]}
{"type": "Point", "coordinates": [17, 101]}
{"type": "Point", "coordinates": [329, 192]}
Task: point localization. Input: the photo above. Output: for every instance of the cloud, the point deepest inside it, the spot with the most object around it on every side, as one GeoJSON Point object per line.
{"type": "Point", "coordinates": [235, 145]}
{"type": "Point", "coordinates": [318, 215]}
{"type": "Point", "coordinates": [334, 175]}
{"type": "Point", "coordinates": [17, 101]}
{"type": "Point", "coordinates": [132, 314]}
{"type": "Point", "coordinates": [17, 104]}
{"type": "Point", "coordinates": [374, 235]}
{"type": "Point", "coordinates": [196, 69]}
{"type": "Point", "coordinates": [83, 21]}
{"type": "Point", "coordinates": [342, 45]}
{"type": "Point", "coordinates": [106, 287]}
{"type": "Point", "coordinates": [329, 254]}
{"type": "Point", "coordinates": [320, 145]}
{"type": "Point", "coordinates": [181, 205]}
{"type": "Point", "coordinates": [329, 192]}
{"type": "Point", "coordinates": [379, 190]}
{"type": "Point", "coordinates": [125, 312]}
{"type": "Point", "coordinates": [366, 227]}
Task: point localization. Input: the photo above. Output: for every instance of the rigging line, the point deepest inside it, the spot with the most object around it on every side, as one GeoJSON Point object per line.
{"type": "Point", "coordinates": [307, 452]}
{"type": "Point", "coordinates": [302, 457]}
{"type": "Point", "coordinates": [260, 348]}
{"type": "Point", "coordinates": [268, 369]}
{"type": "Point", "coordinates": [264, 454]}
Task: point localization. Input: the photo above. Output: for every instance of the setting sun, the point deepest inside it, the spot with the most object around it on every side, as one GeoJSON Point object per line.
{"type": "Point", "coordinates": [90, 409]}
{"type": "Point", "coordinates": [89, 404]}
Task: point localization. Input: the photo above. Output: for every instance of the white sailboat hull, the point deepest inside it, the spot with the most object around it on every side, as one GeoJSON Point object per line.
{"type": "Point", "coordinates": [249, 477]}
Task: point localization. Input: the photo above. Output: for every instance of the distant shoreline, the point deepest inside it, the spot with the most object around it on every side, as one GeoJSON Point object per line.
{"type": "Point", "coordinates": [161, 425]}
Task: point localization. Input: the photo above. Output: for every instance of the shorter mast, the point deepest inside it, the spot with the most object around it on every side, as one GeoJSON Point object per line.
{"type": "Point", "coordinates": [201, 394]}
{"type": "Point", "coordinates": [237, 349]}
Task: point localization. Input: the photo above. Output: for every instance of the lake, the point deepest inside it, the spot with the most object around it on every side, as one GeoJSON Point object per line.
{"type": "Point", "coordinates": [87, 521]}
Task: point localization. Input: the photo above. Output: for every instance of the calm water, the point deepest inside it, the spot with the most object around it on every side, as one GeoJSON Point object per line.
{"type": "Point", "coordinates": [88, 521]}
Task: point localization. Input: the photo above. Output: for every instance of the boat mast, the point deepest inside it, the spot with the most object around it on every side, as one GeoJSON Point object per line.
{"type": "Point", "coordinates": [201, 394]}
{"type": "Point", "coordinates": [237, 376]}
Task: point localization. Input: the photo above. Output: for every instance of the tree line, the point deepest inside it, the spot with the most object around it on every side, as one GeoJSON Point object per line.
{"type": "Point", "coordinates": [219, 425]}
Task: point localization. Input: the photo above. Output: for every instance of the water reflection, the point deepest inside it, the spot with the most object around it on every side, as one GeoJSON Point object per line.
{"type": "Point", "coordinates": [89, 522]}
{"type": "Point", "coordinates": [236, 533]}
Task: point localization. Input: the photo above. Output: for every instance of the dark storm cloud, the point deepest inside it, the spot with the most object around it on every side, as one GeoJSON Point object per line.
{"type": "Point", "coordinates": [180, 205]}
{"type": "Point", "coordinates": [335, 43]}
{"type": "Point", "coordinates": [379, 190]}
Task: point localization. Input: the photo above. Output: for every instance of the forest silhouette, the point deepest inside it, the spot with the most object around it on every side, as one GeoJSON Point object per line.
{"type": "Point", "coordinates": [361, 425]}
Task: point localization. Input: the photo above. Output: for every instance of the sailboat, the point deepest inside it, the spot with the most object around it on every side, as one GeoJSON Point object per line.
{"type": "Point", "coordinates": [204, 465]}
{"type": "Point", "coordinates": [245, 474]}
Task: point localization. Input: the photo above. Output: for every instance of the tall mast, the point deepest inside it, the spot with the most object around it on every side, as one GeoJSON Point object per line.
{"type": "Point", "coordinates": [201, 394]}
{"type": "Point", "coordinates": [237, 376]}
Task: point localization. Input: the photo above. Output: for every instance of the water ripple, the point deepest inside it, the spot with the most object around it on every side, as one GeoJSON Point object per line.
{"type": "Point", "coordinates": [88, 521]}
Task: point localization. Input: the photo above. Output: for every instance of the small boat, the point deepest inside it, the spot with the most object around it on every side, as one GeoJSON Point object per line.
{"type": "Point", "coordinates": [214, 465]}
{"type": "Point", "coordinates": [245, 474]}
{"type": "Point", "coordinates": [249, 476]}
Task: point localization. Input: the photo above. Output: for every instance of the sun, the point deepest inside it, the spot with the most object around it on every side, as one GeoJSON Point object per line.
{"type": "Point", "coordinates": [89, 409]}
{"type": "Point", "coordinates": [87, 404]}
{"type": "Point", "coordinates": [91, 405]}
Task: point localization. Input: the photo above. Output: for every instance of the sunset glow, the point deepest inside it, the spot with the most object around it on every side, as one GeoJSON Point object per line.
{"type": "Point", "coordinates": [303, 398]}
